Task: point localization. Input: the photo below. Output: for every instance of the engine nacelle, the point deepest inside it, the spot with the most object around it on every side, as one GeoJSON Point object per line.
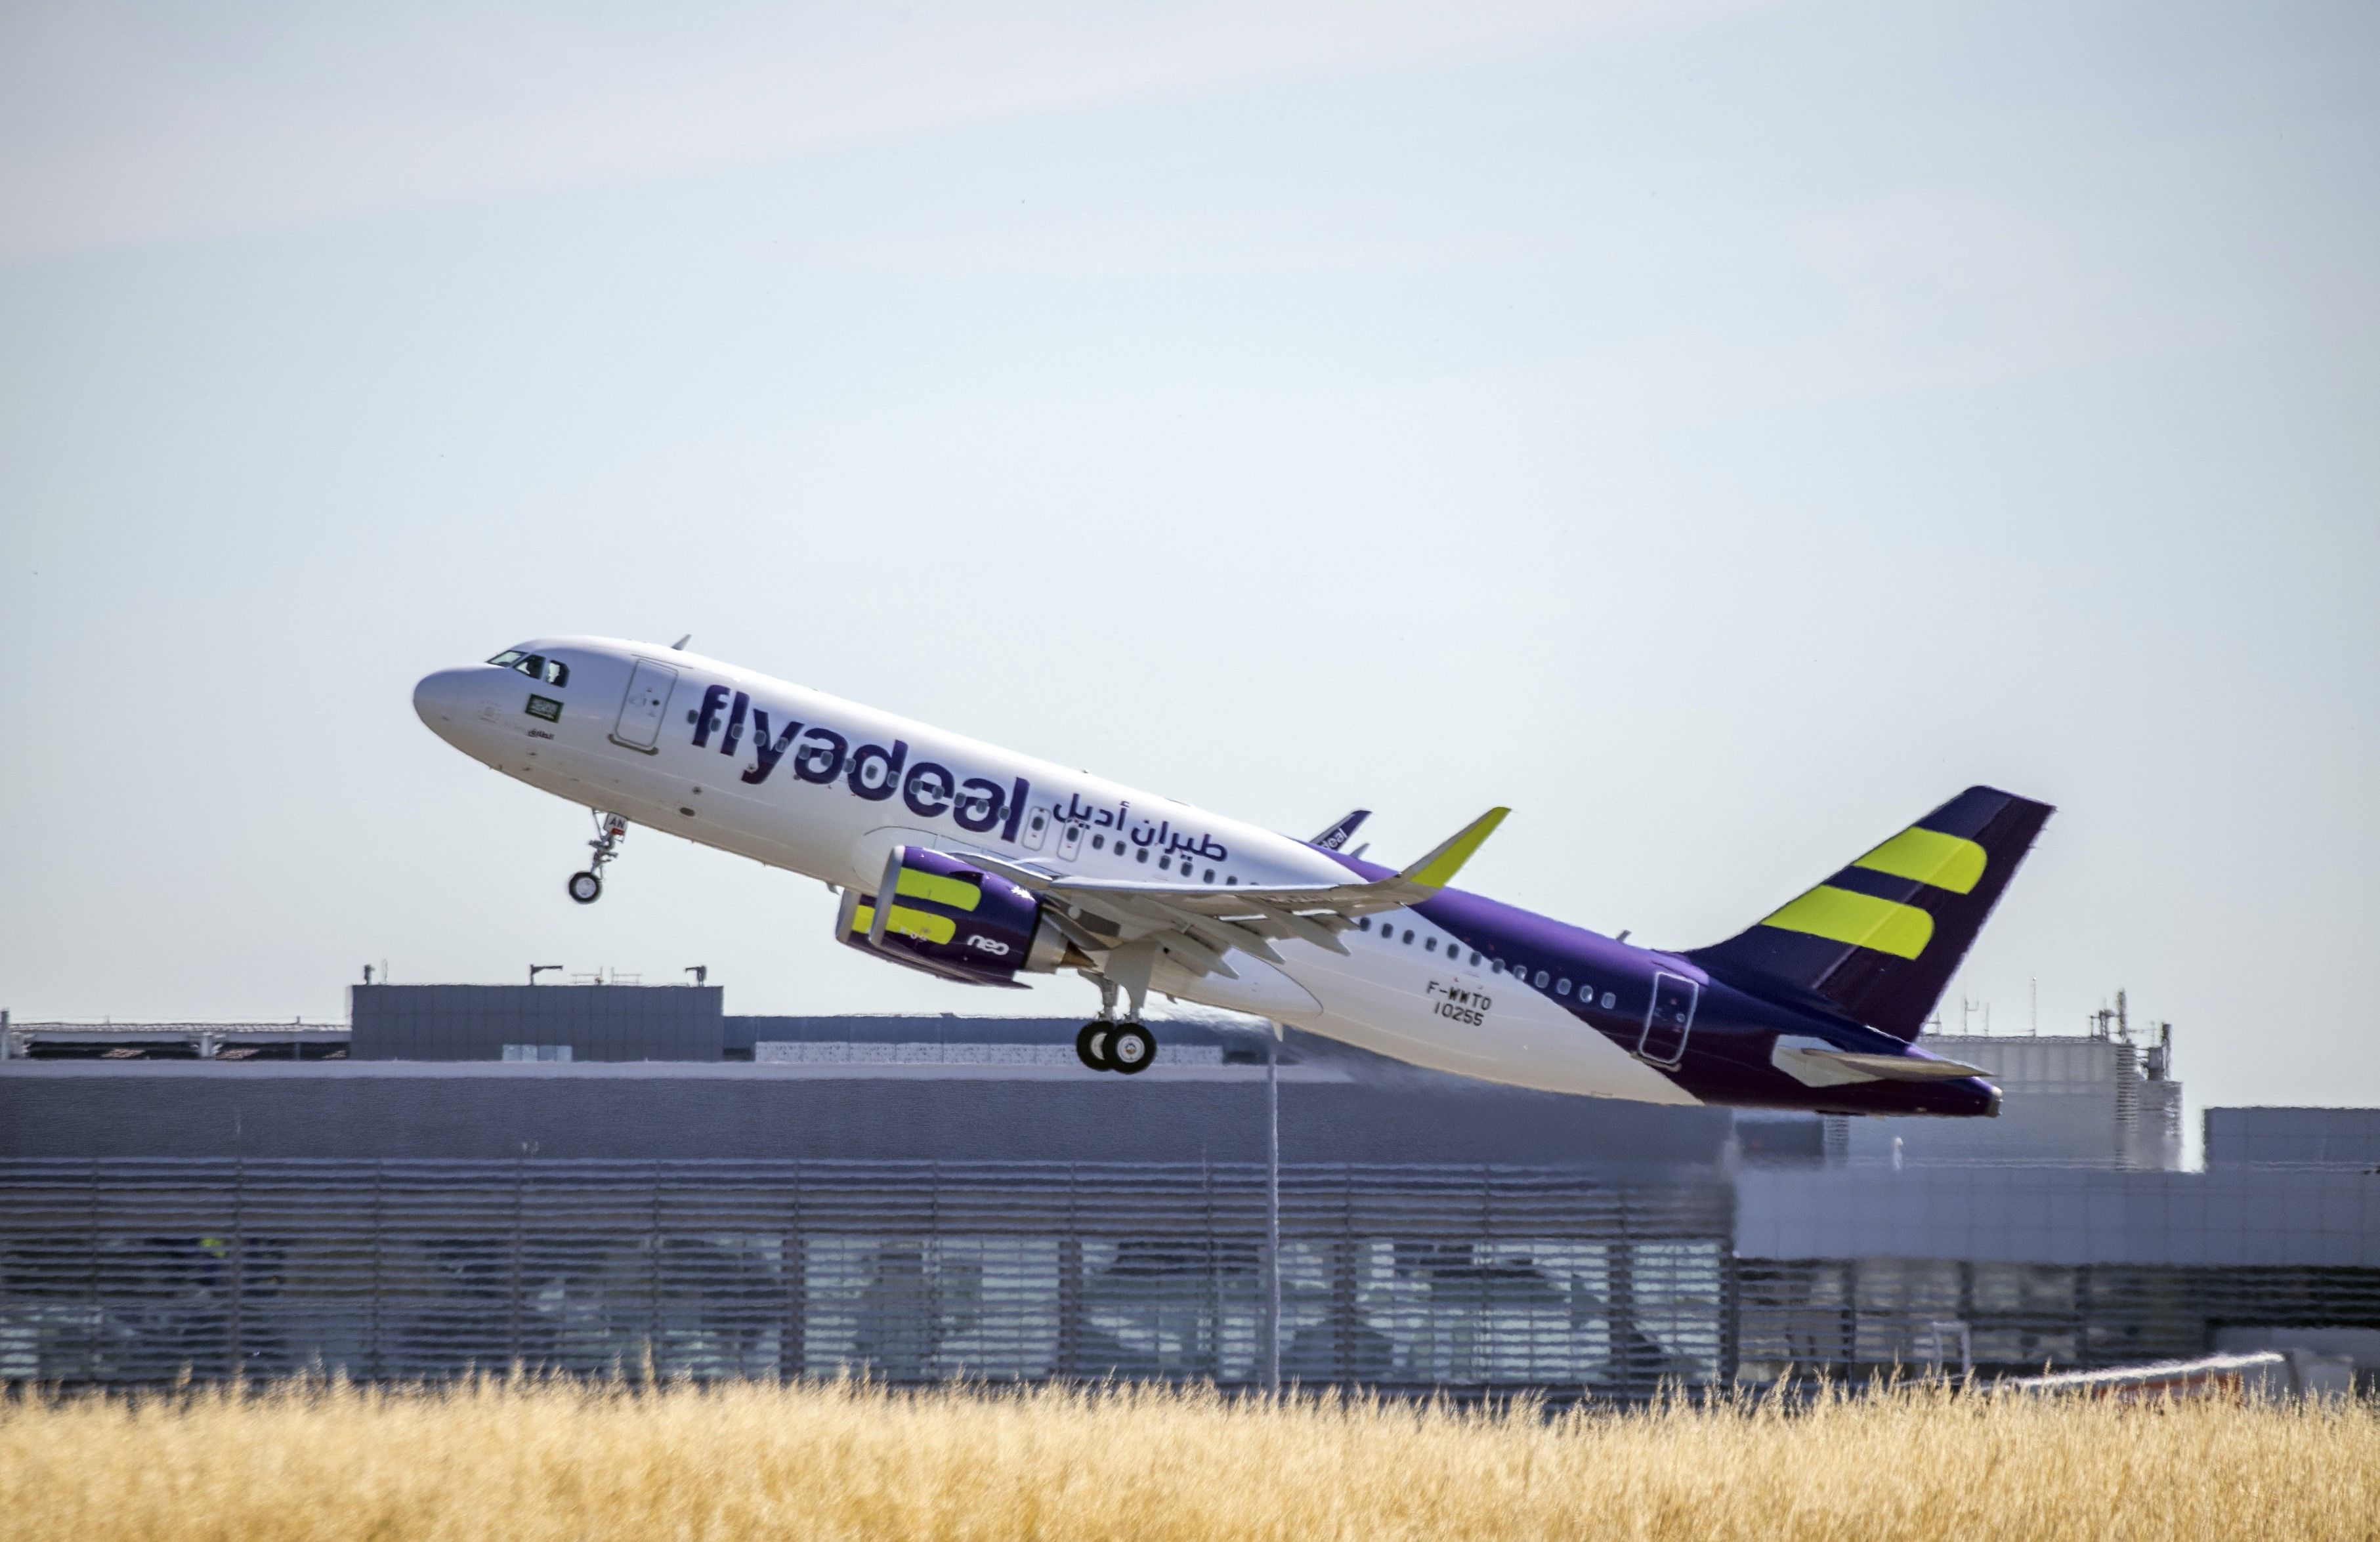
{"type": "Point", "coordinates": [950, 919]}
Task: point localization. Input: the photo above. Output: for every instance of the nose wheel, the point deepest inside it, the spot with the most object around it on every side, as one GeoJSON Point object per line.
{"type": "Point", "coordinates": [610, 831]}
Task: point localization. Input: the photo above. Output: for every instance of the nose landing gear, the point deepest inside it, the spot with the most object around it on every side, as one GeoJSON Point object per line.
{"type": "Point", "coordinates": [610, 831]}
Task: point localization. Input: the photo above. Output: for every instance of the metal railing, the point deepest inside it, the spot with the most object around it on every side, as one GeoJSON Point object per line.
{"type": "Point", "coordinates": [190, 1040]}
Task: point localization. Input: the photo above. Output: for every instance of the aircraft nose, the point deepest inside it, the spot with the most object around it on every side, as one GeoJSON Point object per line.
{"type": "Point", "coordinates": [438, 700]}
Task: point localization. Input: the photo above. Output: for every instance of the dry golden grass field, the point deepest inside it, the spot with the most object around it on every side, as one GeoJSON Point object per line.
{"type": "Point", "coordinates": [559, 1461]}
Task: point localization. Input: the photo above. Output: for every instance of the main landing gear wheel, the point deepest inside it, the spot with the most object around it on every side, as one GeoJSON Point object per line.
{"type": "Point", "coordinates": [1091, 1044]}
{"type": "Point", "coordinates": [1130, 1047]}
{"type": "Point", "coordinates": [586, 888]}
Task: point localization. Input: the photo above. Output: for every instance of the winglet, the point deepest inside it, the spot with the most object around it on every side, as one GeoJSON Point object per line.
{"type": "Point", "coordinates": [1336, 836]}
{"type": "Point", "coordinates": [1438, 870]}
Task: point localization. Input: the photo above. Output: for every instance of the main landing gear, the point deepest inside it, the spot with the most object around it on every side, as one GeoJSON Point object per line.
{"type": "Point", "coordinates": [610, 831]}
{"type": "Point", "coordinates": [1106, 1045]}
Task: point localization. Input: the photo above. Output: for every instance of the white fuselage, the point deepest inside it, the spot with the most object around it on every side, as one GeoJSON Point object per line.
{"type": "Point", "coordinates": [672, 741]}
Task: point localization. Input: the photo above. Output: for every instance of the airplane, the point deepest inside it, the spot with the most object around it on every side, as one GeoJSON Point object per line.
{"type": "Point", "coordinates": [979, 865]}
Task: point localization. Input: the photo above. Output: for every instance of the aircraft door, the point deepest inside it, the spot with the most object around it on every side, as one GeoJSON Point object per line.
{"type": "Point", "coordinates": [1671, 1017]}
{"type": "Point", "coordinates": [640, 711]}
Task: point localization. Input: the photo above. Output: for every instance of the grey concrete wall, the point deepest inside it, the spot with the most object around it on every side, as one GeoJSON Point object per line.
{"type": "Point", "coordinates": [2075, 1128]}
{"type": "Point", "coordinates": [955, 1113]}
{"type": "Point", "coordinates": [475, 1021]}
{"type": "Point", "coordinates": [2323, 1137]}
{"type": "Point", "coordinates": [2061, 1216]}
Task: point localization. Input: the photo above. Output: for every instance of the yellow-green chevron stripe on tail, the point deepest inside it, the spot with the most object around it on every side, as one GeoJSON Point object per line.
{"type": "Point", "coordinates": [1930, 858]}
{"type": "Point", "coordinates": [1862, 920]}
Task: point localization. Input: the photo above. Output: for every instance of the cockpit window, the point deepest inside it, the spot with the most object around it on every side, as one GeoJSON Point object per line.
{"type": "Point", "coordinates": [537, 666]}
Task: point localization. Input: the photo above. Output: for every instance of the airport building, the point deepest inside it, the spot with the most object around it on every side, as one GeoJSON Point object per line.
{"type": "Point", "coordinates": [592, 1177]}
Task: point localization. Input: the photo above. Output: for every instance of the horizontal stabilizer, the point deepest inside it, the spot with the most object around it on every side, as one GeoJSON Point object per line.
{"type": "Point", "coordinates": [1815, 1063]}
{"type": "Point", "coordinates": [1898, 1068]}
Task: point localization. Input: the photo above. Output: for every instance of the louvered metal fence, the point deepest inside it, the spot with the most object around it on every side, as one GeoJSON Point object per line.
{"type": "Point", "coordinates": [1403, 1278]}
{"type": "Point", "coordinates": [1855, 1318]}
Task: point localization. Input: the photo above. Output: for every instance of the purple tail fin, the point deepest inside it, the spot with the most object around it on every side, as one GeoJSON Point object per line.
{"type": "Point", "coordinates": [1878, 941]}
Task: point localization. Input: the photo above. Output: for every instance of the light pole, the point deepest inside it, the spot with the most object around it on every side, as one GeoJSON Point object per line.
{"type": "Point", "coordinates": [1272, 1211]}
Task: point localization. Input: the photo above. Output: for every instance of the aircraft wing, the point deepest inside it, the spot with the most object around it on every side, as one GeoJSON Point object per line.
{"type": "Point", "coordinates": [1199, 923]}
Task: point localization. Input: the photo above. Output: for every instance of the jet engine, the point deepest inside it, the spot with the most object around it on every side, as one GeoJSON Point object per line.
{"type": "Point", "coordinates": [934, 912]}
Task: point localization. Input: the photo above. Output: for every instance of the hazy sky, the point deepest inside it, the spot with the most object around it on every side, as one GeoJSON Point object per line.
{"type": "Point", "coordinates": [1720, 432]}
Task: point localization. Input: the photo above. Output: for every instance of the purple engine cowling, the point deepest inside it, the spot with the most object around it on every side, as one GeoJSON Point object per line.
{"type": "Point", "coordinates": [951, 919]}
